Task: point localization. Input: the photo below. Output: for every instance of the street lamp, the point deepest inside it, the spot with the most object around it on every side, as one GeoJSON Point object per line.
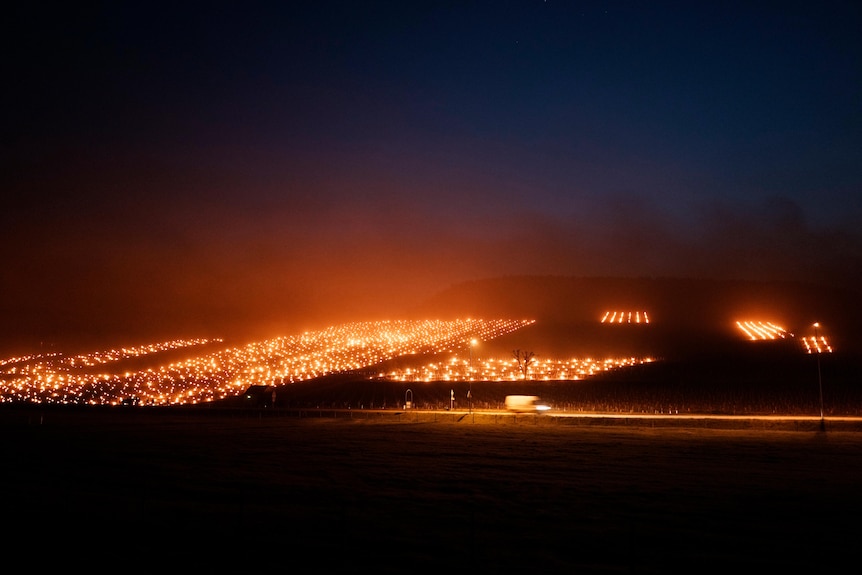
{"type": "Point", "coordinates": [473, 342]}
{"type": "Point", "coordinates": [819, 378]}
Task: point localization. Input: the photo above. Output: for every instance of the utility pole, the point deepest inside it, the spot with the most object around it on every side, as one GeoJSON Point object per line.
{"type": "Point", "coordinates": [819, 377]}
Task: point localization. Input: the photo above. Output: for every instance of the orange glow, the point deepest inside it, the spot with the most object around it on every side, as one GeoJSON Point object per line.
{"type": "Point", "coordinates": [499, 369]}
{"type": "Point", "coordinates": [816, 344]}
{"type": "Point", "coordinates": [637, 316]}
{"type": "Point", "coordinates": [55, 378]}
{"type": "Point", "coordinates": [761, 330]}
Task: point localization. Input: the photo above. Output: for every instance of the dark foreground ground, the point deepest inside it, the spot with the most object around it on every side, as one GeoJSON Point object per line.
{"type": "Point", "coordinates": [147, 490]}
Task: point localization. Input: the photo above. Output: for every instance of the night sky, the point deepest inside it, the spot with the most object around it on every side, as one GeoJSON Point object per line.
{"type": "Point", "coordinates": [182, 169]}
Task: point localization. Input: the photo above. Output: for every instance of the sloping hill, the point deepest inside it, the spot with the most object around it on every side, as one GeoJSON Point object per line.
{"type": "Point", "coordinates": [686, 315]}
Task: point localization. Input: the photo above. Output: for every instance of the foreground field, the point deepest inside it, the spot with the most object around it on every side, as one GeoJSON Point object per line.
{"type": "Point", "coordinates": [153, 490]}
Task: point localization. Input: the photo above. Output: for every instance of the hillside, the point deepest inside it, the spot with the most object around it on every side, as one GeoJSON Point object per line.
{"type": "Point", "coordinates": [706, 364]}
{"type": "Point", "coordinates": [686, 315]}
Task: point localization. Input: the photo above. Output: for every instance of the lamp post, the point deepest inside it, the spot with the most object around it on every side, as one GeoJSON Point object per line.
{"type": "Point", "coordinates": [470, 375]}
{"type": "Point", "coordinates": [819, 378]}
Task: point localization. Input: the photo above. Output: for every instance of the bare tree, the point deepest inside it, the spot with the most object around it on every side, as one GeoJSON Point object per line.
{"type": "Point", "coordinates": [524, 359]}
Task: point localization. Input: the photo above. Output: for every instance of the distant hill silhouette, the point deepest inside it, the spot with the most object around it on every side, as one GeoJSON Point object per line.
{"type": "Point", "coordinates": [687, 315]}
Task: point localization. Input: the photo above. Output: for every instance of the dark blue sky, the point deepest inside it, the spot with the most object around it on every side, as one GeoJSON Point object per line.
{"type": "Point", "coordinates": [182, 166]}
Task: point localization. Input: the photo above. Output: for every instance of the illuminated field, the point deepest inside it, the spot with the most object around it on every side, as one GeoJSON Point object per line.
{"type": "Point", "coordinates": [766, 330]}
{"type": "Point", "coordinates": [88, 379]}
{"type": "Point", "coordinates": [615, 317]}
{"type": "Point", "coordinates": [495, 369]}
{"type": "Point", "coordinates": [816, 344]}
{"type": "Point", "coordinates": [762, 330]}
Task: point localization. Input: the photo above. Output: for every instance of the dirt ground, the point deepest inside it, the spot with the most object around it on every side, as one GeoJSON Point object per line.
{"type": "Point", "coordinates": [146, 490]}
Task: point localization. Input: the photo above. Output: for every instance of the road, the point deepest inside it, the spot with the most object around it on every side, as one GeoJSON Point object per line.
{"type": "Point", "coordinates": [486, 416]}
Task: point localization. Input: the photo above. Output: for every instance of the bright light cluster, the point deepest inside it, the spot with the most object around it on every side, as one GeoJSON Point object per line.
{"type": "Point", "coordinates": [491, 369]}
{"type": "Point", "coordinates": [229, 372]}
{"type": "Point", "coordinates": [759, 330]}
{"type": "Point", "coordinates": [625, 317]}
{"type": "Point", "coordinates": [816, 344]}
{"type": "Point", "coordinates": [57, 378]}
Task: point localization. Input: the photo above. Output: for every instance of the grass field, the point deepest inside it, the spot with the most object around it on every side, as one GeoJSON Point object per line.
{"type": "Point", "coordinates": [148, 490]}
